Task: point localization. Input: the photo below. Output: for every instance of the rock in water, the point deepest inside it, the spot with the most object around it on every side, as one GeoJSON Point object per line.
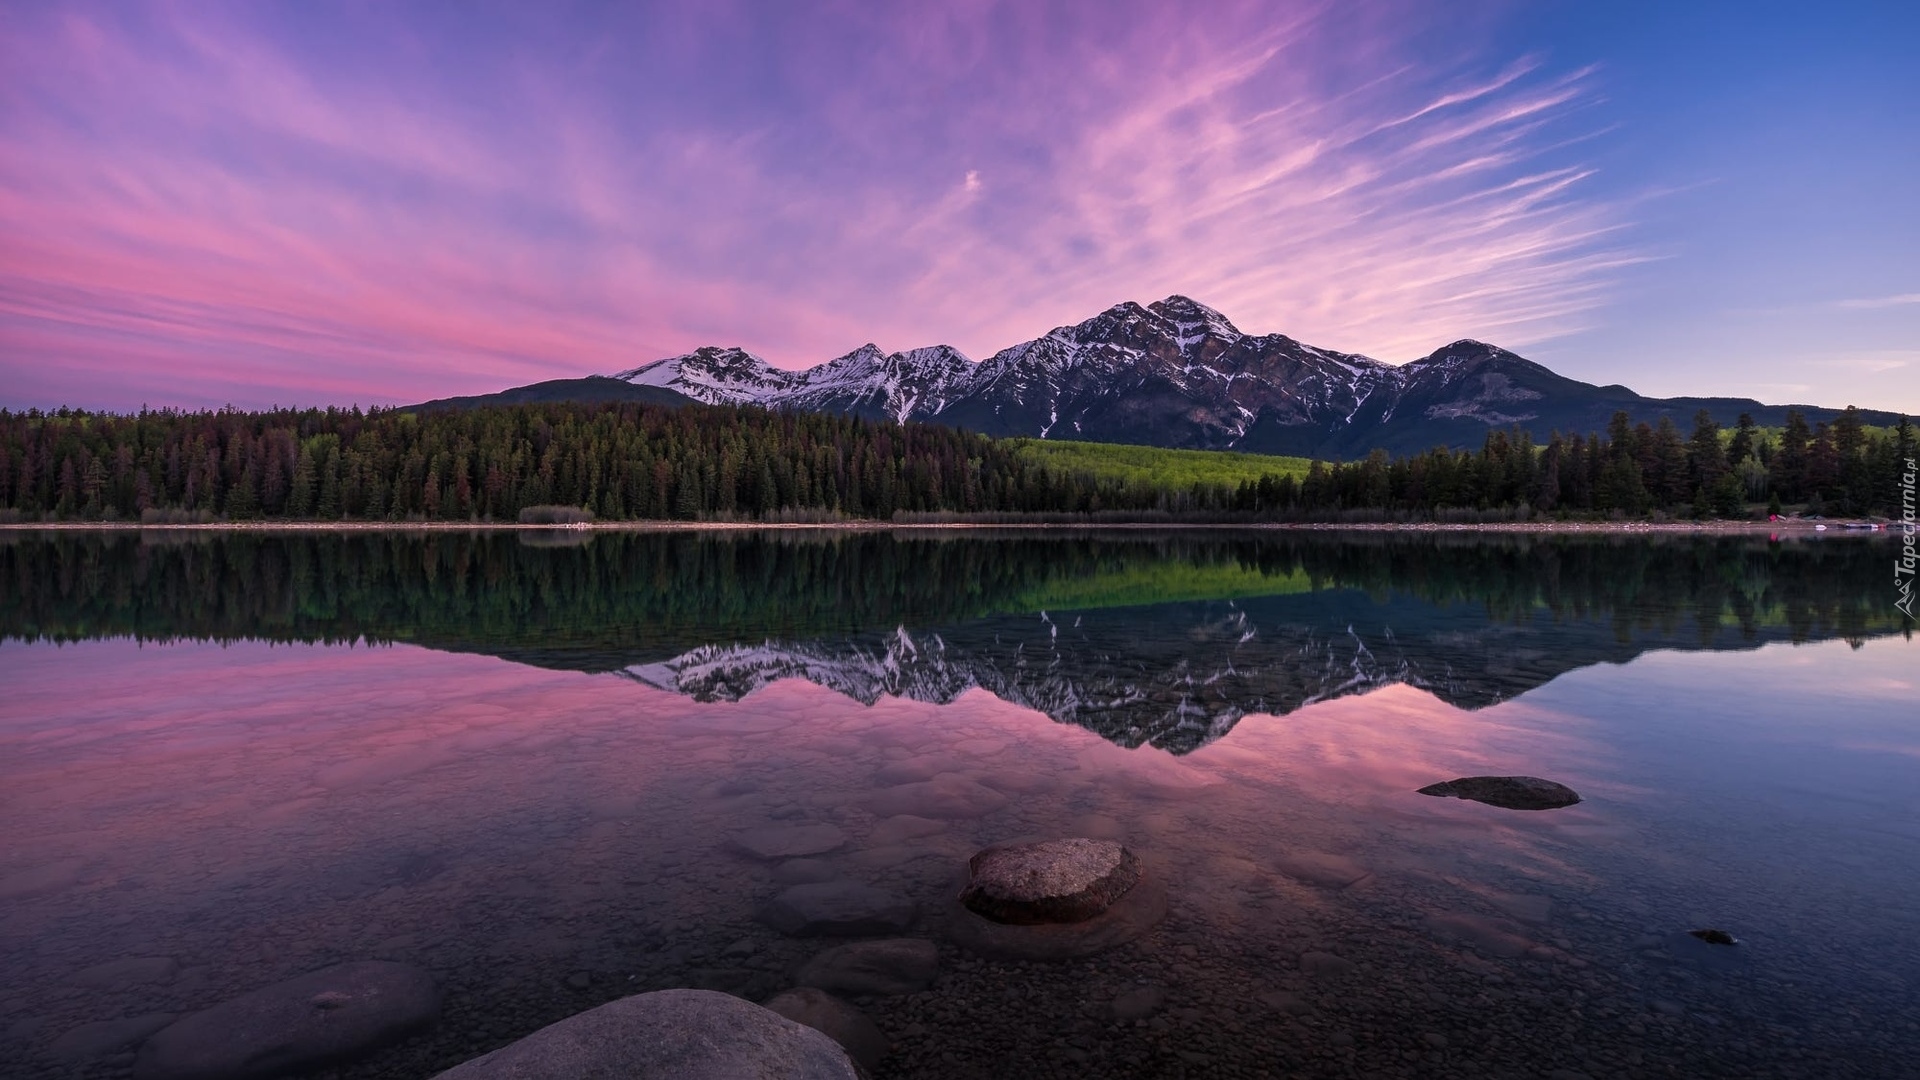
{"type": "Point", "coordinates": [888, 966]}
{"type": "Point", "coordinates": [903, 827]}
{"type": "Point", "coordinates": [1054, 881]}
{"type": "Point", "coordinates": [838, 909]}
{"type": "Point", "coordinates": [133, 971]}
{"type": "Point", "coordinates": [946, 796]}
{"type": "Point", "coordinates": [1125, 913]}
{"type": "Point", "coordinates": [803, 872]}
{"type": "Point", "coordinates": [789, 841]}
{"type": "Point", "coordinates": [90, 1042]}
{"type": "Point", "coordinates": [324, 1016]}
{"type": "Point", "coordinates": [1508, 792]}
{"type": "Point", "coordinates": [667, 1035]}
{"type": "Point", "coordinates": [1320, 868]}
{"type": "Point", "coordinates": [836, 1019]}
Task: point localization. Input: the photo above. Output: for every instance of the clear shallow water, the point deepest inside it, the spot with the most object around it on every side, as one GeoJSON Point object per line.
{"type": "Point", "coordinates": [536, 799]}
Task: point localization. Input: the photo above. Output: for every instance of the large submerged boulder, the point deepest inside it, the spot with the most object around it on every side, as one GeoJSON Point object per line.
{"type": "Point", "coordinates": [1053, 881]}
{"type": "Point", "coordinates": [331, 1015]}
{"type": "Point", "coordinates": [789, 841]}
{"type": "Point", "coordinates": [1507, 792]}
{"type": "Point", "coordinates": [836, 1019]}
{"type": "Point", "coordinates": [667, 1035]}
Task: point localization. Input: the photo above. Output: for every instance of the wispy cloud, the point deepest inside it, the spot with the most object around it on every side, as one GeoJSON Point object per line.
{"type": "Point", "coordinates": [1901, 300]}
{"type": "Point", "coordinates": [1877, 361]}
{"type": "Point", "coordinates": [203, 205]}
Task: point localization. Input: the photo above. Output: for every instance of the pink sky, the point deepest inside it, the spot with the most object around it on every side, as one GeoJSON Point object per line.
{"type": "Point", "coordinates": [274, 204]}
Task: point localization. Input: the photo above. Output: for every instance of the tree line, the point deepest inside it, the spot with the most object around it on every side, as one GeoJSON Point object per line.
{"type": "Point", "coordinates": [1633, 470]}
{"type": "Point", "coordinates": [613, 599]}
{"type": "Point", "coordinates": [644, 462]}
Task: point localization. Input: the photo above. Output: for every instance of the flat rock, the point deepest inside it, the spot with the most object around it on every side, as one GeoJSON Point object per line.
{"type": "Point", "coordinates": [836, 1019]}
{"type": "Point", "coordinates": [1053, 881]}
{"type": "Point", "coordinates": [887, 966]}
{"type": "Point", "coordinates": [133, 971]}
{"type": "Point", "coordinates": [91, 1042]}
{"type": "Point", "coordinates": [1487, 936]}
{"type": "Point", "coordinates": [667, 1035]}
{"type": "Point", "coordinates": [1507, 792]}
{"type": "Point", "coordinates": [880, 858]}
{"type": "Point", "coordinates": [789, 841]}
{"type": "Point", "coordinates": [945, 796]}
{"type": "Point", "coordinates": [803, 872]}
{"type": "Point", "coordinates": [837, 909]}
{"type": "Point", "coordinates": [1125, 919]}
{"type": "Point", "coordinates": [903, 827]}
{"type": "Point", "coordinates": [1320, 868]}
{"type": "Point", "coordinates": [330, 1015]}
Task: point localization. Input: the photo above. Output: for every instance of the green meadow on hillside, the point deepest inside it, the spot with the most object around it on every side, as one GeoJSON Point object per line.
{"type": "Point", "coordinates": [1167, 582]}
{"type": "Point", "coordinates": [1153, 466]}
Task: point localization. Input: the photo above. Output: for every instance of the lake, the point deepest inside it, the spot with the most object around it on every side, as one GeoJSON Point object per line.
{"type": "Point", "coordinates": [527, 762]}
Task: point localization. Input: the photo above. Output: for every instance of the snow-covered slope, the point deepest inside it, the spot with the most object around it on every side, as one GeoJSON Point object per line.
{"type": "Point", "coordinates": [716, 376]}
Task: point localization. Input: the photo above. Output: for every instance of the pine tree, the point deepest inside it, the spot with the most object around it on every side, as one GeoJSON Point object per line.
{"type": "Point", "coordinates": [243, 500]}
{"type": "Point", "coordinates": [300, 496]}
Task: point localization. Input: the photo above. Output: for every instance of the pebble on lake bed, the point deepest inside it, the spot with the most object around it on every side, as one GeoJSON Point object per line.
{"type": "Point", "coordinates": [1506, 792]}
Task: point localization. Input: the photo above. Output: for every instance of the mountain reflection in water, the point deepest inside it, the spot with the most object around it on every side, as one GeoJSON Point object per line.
{"type": "Point", "coordinates": [1143, 638]}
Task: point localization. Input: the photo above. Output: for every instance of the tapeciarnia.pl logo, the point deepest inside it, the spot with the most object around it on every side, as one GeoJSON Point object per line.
{"type": "Point", "coordinates": [1903, 567]}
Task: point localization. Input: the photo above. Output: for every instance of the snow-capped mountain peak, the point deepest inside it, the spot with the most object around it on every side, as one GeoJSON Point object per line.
{"type": "Point", "coordinates": [714, 375]}
{"type": "Point", "coordinates": [1195, 320]}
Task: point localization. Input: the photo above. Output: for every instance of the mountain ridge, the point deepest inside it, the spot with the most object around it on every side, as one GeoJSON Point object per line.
{"type": "Point", "coordinates": [1179, 374]}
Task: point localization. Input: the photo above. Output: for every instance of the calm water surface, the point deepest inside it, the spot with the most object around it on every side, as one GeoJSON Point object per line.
{"type": "Point", "coordinates": [520, 760]}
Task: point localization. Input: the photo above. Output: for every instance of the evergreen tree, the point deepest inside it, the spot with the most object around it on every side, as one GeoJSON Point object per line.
{"type": "Point", "coordinates": [1706, 461]}
{"type": "Point", "coordinates": [1789, 465]}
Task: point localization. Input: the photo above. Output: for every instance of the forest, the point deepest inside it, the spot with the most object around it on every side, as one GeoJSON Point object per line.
{"type": "Point", "coordinates": [629, 461]}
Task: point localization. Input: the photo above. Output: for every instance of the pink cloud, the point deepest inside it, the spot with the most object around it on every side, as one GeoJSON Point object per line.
{"type": "Point", "coordinates": [206, 205]}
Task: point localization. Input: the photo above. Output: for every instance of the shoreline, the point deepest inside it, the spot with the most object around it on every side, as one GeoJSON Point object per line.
{"type": "Point", "coordinates": [1797, 527]}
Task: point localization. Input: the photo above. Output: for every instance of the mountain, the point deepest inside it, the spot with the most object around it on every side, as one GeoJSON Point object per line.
{"type": "Point", "coordinates": [591, 390]}
{"type": "Point", "coordinates": [1179, 676]}
{"type": "Point", "coordinates": [1177, 373]}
